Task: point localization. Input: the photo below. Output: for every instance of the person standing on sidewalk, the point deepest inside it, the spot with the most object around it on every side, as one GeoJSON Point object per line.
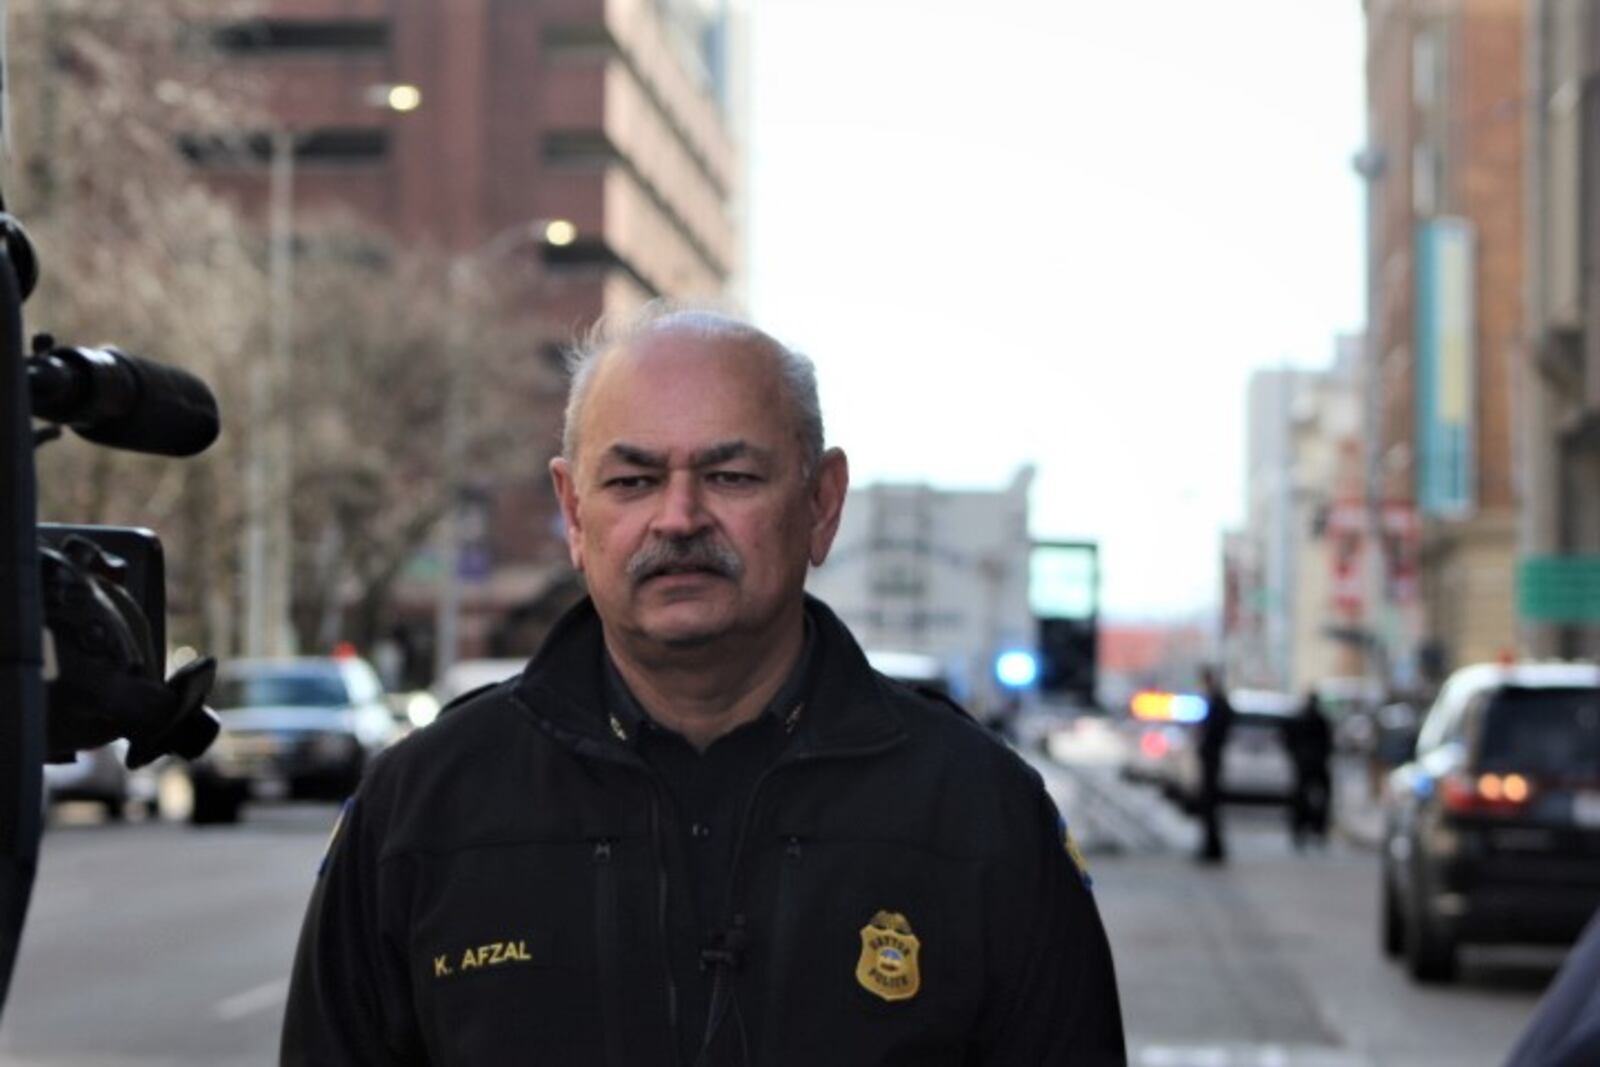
{"type": "Point", "coordinates": [1214, 731]}
{"type": "Point", "coordinates": [1310, 745]}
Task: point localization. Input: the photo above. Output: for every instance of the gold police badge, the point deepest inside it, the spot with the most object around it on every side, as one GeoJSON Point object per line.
{"type": "Point", "coordinates": [888, 964]}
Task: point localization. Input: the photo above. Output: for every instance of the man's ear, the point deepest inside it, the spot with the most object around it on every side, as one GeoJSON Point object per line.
{"type": "Point", "coordinates": [564, 478]}
{"type": "Point", "coordinates": [829, 484]}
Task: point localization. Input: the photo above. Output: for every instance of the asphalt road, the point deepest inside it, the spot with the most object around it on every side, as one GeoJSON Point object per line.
{"type": "Point", "coordinates": [157, 944]}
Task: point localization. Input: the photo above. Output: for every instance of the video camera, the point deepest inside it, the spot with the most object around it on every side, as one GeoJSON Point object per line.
{"type": "Point", "coordinates": [82, 608]}
{"type": "Point", "coordinates": [104, 588]}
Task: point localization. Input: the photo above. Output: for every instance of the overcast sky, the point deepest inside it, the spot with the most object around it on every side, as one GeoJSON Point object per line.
{"type": "Point", "coordinates": [1063, 233]}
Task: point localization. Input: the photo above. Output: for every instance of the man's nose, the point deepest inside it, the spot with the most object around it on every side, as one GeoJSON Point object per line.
{"type": "Point", "coordinates": [681, 513]}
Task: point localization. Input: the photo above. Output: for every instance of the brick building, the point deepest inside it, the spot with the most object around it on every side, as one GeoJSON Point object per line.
{"type": "Point", "coordinates": [1559, 591]}
{"type": "Point", "coordinates": [1445, 311]}
{"type": "Point", "coordinates": [610, 114]}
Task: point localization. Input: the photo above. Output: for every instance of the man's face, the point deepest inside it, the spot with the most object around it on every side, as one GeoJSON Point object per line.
{"type": "Point", "coordinates": [687, 507]}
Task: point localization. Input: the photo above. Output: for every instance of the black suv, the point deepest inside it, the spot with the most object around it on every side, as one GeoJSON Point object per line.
{"type": "Point", "coordinates": [1492, 831]}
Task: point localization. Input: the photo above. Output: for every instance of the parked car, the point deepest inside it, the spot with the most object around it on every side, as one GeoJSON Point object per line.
{"type": "Point", "coordinates": [97, 776]}
{"type": "Point", "coordinates": [301, 728]}
{"type": "Point", "coordinates": [1491, 834]}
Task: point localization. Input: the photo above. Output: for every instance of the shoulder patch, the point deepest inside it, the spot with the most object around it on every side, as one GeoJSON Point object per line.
{"type": "Point", "coordinates": [1074, 853]}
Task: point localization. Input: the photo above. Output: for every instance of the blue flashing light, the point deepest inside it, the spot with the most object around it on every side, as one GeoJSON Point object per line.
{"type": "Point", "coordinates": [1187, 707]}
{"type": "Point", "coordinates": [1016, 669]}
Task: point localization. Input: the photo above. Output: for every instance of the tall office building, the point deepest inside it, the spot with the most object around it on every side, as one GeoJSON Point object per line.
{"type": "Point", "coordinates": [610, 115]}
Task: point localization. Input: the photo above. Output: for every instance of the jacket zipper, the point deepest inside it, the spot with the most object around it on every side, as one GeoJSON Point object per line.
{"type": "Point", "coordinates": [782, 936]}
{"type": "Point", "coordinates": [622, 757]}
{"type": "Point", "coordinates": [736, 913]}
{"type": "Point", "coordinates": [609, 943]}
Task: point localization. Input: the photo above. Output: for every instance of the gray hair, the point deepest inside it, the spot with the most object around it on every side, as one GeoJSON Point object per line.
{"type": "Point", "coordinates": [658, 317]}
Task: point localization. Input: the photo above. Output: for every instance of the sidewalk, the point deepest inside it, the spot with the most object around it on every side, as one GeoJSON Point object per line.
{"type": "Point", "coordinates": [1357, 814]}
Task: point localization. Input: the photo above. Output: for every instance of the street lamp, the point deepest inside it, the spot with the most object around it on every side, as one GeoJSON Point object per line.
{"type": "Point", "coordinates": [268, 536]}
{"type": "Point", "coordinates": [555, 232]}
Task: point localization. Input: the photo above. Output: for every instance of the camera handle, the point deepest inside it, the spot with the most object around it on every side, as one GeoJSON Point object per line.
{"type": "Point", "coordinates": [22, 711]}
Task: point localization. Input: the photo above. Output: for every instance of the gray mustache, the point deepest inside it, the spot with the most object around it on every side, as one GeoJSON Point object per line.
{"type": "Point", "coordinates": [696, 553]}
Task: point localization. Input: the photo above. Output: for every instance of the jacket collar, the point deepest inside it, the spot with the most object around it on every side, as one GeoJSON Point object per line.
{"type": "Point", "coordinates": [847, 709]}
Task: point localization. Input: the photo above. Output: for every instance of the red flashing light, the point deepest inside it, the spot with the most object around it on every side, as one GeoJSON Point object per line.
{"type": "Point", "coordinates": [1154, 744]}
{"type": "Point", "coordinates": [344, 650]}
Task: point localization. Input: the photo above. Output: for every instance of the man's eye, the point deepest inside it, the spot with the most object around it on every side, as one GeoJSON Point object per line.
{"type": "Point", "coordinates": [627, 481]}
{"type": "Point", "coordinates": [732, 478]}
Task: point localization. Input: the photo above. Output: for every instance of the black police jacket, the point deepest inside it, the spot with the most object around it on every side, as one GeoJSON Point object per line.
{"type": "Point", "coordinates": [500, 889]}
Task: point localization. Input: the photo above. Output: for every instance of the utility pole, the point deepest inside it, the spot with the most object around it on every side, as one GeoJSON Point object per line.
{"type": "Point", "coordinates": [268, 579]}
{"type": "Point", "coordinates": [447, 544]}
{"type": "Point", "coordinates": [268, 533]}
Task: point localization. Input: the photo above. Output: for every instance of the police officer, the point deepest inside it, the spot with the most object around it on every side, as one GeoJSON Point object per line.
{"type": "Point", "coordinates": [699, 829]}
{"type": "Point", "coordinates": [1213, 741]}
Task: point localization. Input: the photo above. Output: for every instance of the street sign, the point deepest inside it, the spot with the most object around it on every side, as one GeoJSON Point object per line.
{"type": "Point", "coordinates": [1561, 589]}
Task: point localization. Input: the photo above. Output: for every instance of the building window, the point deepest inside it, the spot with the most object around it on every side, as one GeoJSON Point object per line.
{"type": "Point", "coordinates": [1427, 70]}
{"type": "Point", "coordinates": [347, 145]}
{"type": "Point", "coordinates": [357, 145]}
{"type": "Point", "coordinates": [580, 148]}
{"type": "Point", "coordinates": [579, 40]}
{"type": "Point", "coordinates": [343, 36]}
{"type": "Point", "coordinates": [1426, 178]}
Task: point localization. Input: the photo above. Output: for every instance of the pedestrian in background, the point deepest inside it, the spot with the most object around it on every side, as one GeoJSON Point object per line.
{"type": "Point", "coordinates": [1214, 731]}
{"type": "Point", "coordinates": [1310, 745]}
{"type": "Point", "coordinates": [700, 830]}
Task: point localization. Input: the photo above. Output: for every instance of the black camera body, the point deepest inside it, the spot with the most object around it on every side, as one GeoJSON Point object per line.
{"type": "Point", "coordinates": [104, 594]}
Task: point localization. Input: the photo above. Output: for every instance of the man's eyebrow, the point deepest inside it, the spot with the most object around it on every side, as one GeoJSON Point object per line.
{"type": "Point", "coordinates": [727, 450]}
{"type": "Point", "coordinates": [634, 456]}
{"type": "Point", "coordinates": [722, 452]}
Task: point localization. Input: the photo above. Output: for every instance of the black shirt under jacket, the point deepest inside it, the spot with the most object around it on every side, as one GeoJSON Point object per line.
{"type": "Point", "coordinates": [504, 890]}
{"type": "Point", "coordinates": [707, 794]}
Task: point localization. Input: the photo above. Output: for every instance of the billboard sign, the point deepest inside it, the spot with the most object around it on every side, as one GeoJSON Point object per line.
{"type": "Point", "coordinates": [1064, 579]}
{"type": "Point", "coordinates": [1446, 367]}
{"type": "Point", "coordinates": [1064, 595]}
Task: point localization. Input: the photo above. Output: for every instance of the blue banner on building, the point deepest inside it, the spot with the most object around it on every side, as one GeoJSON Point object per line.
{"type": "Point", "coordinates": [1446, 367]}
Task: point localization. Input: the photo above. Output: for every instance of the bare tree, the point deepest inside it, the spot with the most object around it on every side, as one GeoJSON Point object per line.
{"type": "Point", "coordinates": [383, 337]}
{"type": "Point", "coordinates": [137, 252]}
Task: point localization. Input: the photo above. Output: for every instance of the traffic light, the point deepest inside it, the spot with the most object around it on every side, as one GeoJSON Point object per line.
{"type": "Point", "coordinates": [1068, 656]}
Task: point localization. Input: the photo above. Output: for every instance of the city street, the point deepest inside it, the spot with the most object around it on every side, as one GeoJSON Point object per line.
{"type": "Point", "coordinates": [157, 944]}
